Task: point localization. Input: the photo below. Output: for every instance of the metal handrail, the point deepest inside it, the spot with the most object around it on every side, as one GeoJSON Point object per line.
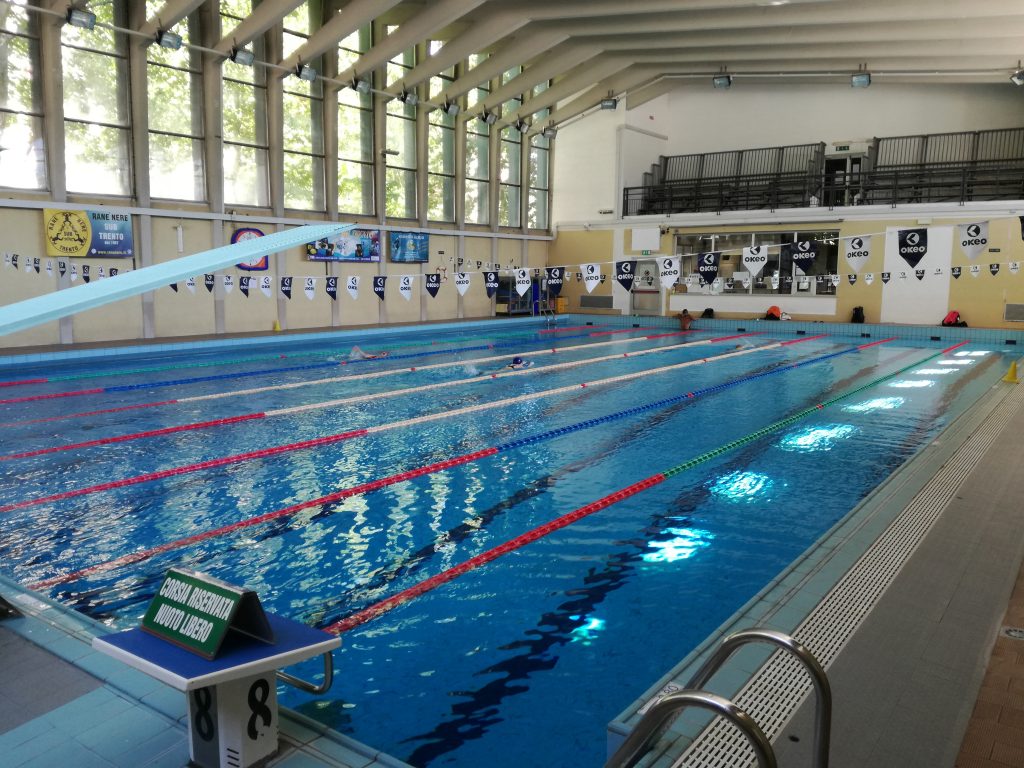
{"type": "Point", "coordinates": [302, 685]}
{"type": "Point", "coordinates": [635, 745]}
{"type": "Point", "coordinates": [823, 708]}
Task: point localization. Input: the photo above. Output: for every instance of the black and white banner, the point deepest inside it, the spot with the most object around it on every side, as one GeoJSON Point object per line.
{"type": "Point", "coordinates": [975, 270]}
{"type": "Point", "coordinates": [462, 282]}
{"type": "Point", "coordinates": [73, 275]}
{"type": "Point", "coordinates": [886, 276]}
{"type": "Point", "coordinates": [804, 253]}
{"type": "Point", "coordinates": [973, 238]}
{"type": "Point", "coordinates": [332, 288]}
{"type": "Point", "coordinates": [433, 284]}
{"type": "Point", "coordinates": [243, 285]}
{"type": "Point", "coordinates": [707, 266]}
{"type": "Point", "coordinates": [286, 287]}
{"type": "Point", "coordinates": [555, 276]}
{"type": "Point", "coordinates": [208, 282]}
{"type": "Point", "coordinates": [99, 273]}
{"type": "Point", "coordinates": [857, 251]}
{"type": "Point", "coordinates": [912, 245]}
{"type": "Point", "coordinates": [85, 271]}
{"type": "Point", "coordinates": [522, 281]}
{"type": "Point", "coordinates": [173, 287]}
{"type": "Point", "coordinates": [994, 269]}
{"type": "Point", "coordinates": [919, 274]}
{"type": "Point", "coordinates": [309, 287]}
{"type": "Point", "coordinates": [490, 283]}
{"type": "Point", "coordinates": [405, 287]}
{"type": "Point", "coordinates": [28, 264]}
{"type": "Point", "coordinates": [190, 283]}
{"type": "Point", "coordinates": [114, 271]}
{"type": "Point", "coordinates": [352, 286]}
{"type": "Point", "coordinates": [754, 259]}
{"type": "Point", "coordinates": [49, 267]}
{"type": "Point", "coordinates": [773, 281]}
{"type": "Point", "coordinates": [869, 278]}
{"type": "Point", "coordinates": [35, 265]}
{"type": "Point", "coordinates": [852, 277]}
{"type": "Point", "coordinates": [266, 287]}
{"type": "Point", "coordinates": [378, 285]}
{"type": "Point", "coordinates": [625, 274]}
{"type": "Point", "coordinates": [62, 267]}
{"type": "Point", "coordinates": [955, 272]}
{"type": "Point", "coordinates": [229, 283]}
{"type": "Point", "coordinates": [591, 276]}
{"type": "Point", "coordinates": [1014, 267]}
{"type": "Point", "coordinates": [669, 271]}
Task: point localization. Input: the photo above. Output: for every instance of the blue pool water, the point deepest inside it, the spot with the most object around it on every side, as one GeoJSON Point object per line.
{"type": "Point", "coordinates": [524, 660]}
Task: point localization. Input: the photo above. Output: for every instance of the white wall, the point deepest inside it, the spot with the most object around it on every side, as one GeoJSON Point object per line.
{"type": "Point", "coordinates": [585, 165]}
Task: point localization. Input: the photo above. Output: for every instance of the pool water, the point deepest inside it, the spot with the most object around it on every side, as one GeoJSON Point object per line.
{"type": "Point", "coordinates": [523, 660]}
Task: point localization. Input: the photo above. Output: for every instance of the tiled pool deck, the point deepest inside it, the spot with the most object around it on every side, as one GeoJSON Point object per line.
{"type": "Point", "coordinates": [61, 703]}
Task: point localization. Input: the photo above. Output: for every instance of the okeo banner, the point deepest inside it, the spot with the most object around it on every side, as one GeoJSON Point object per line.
{"type": "Point", "coordinates": [669, 271]}
{"type": "Point", "coordinates": [912, 245]}
{"type": "Point", "coordinates": [81, 233]}
{"type": "Point", "coordinates": [803, 253]}
{"type": "Point", "coordinates": [857, 251]}
{"type": "Point", "coordinates": [754, 259]}
{"type": "Point", "coordinates": [625, 274]}
{"type": "Point", "coordinates": [309, 287]}
{"type": "Point", "coordinates": [490, 283]}
{"type": "Point", "coordinates": [405, 286]}
{"type": "Point", "coordinates": [591, 276]}
{"type": "Point", "coordinates": [332, 288]}
{"type": "Point", "coordinates": [707, 266]}
{"type": "Point", "coordinates": [378, 285]}
{"type": "Point", "coordinates": [973, 238]}
{"type": "Point", "coordinates": [433, 284]}
{"type": "Point", "coordinates": [462, 282]}
{"type": "Point", "coordinates": [352, 286]}
{"type": "Point", "coordinates": [522, 281]}
{"type": "Point", "coordinates": [556, 277]}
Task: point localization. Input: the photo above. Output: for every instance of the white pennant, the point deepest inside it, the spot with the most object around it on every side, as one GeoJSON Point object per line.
{"type": "Point", "coordinates": [309, 288]}
{"type": "Point", "coordinates": [28, 264]}
{"type": "Point", "coordinates": [1014, 267]}
{"type": "Point", "coordinates": [746, 283]}
{"type": "Point", "coordinates": [591, 276]}
{"type": "Point", "coordinates": [49, 267]}
{"type": "Point", "coordinates": [835, 281]}
{"type": "Point", "coordinates": [99, 274]}
{"type": "Point", "coordinates": [7, 259]}
{"type": "Point", "coordinates": [938, 272]}
{"type": "Point", "coordinates": [405, 286]}
{"type": "Point", "coordinates": [668, 270]}
{"type": "Point", "coordinates": [975, 270]}
{"type": "Point", "coordinates": [352, 284]}
{"type": "Point", "coordinates": [754, 259]}
{"type": "Point", "coordinates": [462, 282]}
{"type": "Point", "coordinates": [191, 284]}
{"type": "Point", "coordinates": [973, 238]}
{"type": "Point", "coordinates": [869, 278]}
{"type": "Point", "coordinates": [857, 251]}
{"type": "Point", "coordinates": [522, 281]}
{"type": "Point", "coordinates": [775, 282]}
{"type": "Point", "coordinates": [74, 272]}
{"type": "Point", "coordinates": [228, 281]}
{"type": "Point", "coordinates": [265, 286]}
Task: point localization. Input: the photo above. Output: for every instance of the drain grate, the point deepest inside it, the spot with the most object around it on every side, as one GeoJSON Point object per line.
{"type": "Point", "coordinates": [774, 692]}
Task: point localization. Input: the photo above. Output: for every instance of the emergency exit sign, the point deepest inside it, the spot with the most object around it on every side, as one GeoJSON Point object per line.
{"type": "Point", "coordinates": [645, 253]}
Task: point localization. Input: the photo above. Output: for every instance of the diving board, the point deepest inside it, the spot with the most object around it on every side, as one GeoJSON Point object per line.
{"type": "Point", "coordinates": [53, 306]}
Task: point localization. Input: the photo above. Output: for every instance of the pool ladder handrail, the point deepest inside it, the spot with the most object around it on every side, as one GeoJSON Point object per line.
{"type": "Point", "coordinates": [654, 721]}
{"type": "Point", "coordinates": [302, 685]}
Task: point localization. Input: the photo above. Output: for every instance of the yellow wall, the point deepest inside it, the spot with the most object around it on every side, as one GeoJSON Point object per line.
{"type": "Point", "coordinates": [23, 235]}
{"type": "Point", "coordinates": [572, 248]}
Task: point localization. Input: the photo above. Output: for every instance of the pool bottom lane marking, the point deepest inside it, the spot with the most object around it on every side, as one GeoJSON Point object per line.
{"type": "Point", "coordinates": [407, 475]}
{"type": "Point", "coordinates": [387, 604]}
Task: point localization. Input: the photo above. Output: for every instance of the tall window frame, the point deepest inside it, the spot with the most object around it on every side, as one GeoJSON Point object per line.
{"type": "Point", "coordinates": [23, 161]}
{"type": "Point", "coordinates": [355, 133]}
{"type": "Point", "coordinates": [400, 157]}
{"type": "Point", "coordinates": [440, 149]}
{"type": "Point", "coordinates": [302, 145]}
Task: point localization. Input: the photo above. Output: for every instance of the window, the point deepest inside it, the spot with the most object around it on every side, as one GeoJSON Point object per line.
{"type": "Point", "coordinates": [175, 133]}
{"type": "Point", "coordinates": [23, 160]}
{"type": "Point", "coordinates": [540, 164]}
{"type": "Point", "coordinates": [355, 133]}
{"type": "Point", "coordinates": [303, 140]}
{"type": "Point", "coordinates": [400, 157]}
{"type": "Point", "coordinates": [477, 154]}
{"type": "Point", "coordinates": [510, 153]}
{"type": "Point", "coordinates": [440, 151]}
{"type": "Point", "coordinates": [96, 125]}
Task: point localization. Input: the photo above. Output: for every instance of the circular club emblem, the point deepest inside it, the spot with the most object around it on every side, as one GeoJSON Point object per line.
{"type": "Point", "coordinates": [69, 232]}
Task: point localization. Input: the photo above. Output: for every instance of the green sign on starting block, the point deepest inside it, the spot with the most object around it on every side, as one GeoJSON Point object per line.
{"type": "Point", "coordinates": [195, 611]}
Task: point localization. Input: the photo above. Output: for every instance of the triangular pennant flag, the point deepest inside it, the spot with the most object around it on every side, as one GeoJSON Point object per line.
{"type": "Point", "coordinates": [332, 288]}
{"type": "Point", "coordinates": [1014, 267]}
{"type": "Point", "coordinates": [835, 281]}
{"type": "Point", "coordinates": [973, 238]}
{"type": "Point", "coordinates": [903, 275]}
{"type": "Point", "coordinates": [886, 276]}
{"type": "Point", "coordinates": [625, 274]}
{"type": "Point", "coordinates": [975, 270]}
{"type": "Point", "coordinates": [773, 281]}
{"type": "Point", "coordinates": [85, 272]}
{"type": "Point", "coordinates": [852, 278]}
{"type": "Point", "coordinates": [208, 281]}
{"type": "Point", "coordinates": [49, 267]}
{"type": "Point", "coordinates": [228, 282]}
{"type": "Point", "coordinates": [707, 266]}
{"type": "Point", "coordinates": [669, 271]}
{"type": "Point", "coordinates": [912, 244]}
{"type": "Point", "coordinates": [62, 267]}
{"type": "Point", "coordinates": [191, 284]}
{"type": "Point", "coordinates": [869, 278]}
{"type": "Point", "coordinates": [937, 272]}
{"type": "Point", "coordinates": [523, 281]}
{"type": "Point", "coordinates": [462, 282]}
{"type": "Point", "coordinates": [490, 283]}
{"type": "Point", "coordinates": [804, 253]}
{"type": "Point", "coordinates": [746, 283]}
{"type": "Point", "coordinates": [919, 273]}
{"type": "Point", "coordinates": [286, 287]}
{"type": "Point", "coordinates": [555, 280]}
{"type": "Point", "coordinates": [591, 276]}
{"type": "Point", "coordinates": [35, 265]}
{"type": "Point", "coordinates": [754, 259]}
{"type": "Point", "coordinates": [28, 264]}
{"type": "Point", "coordinates": [243, 285]}
{"type": "Point", "coordinates": [955, 272]}
{"type": "Point", "coordinates": [352, 286]}
{"type": "Point", "coordinates": [309, 287]}
{"type": "Point", "coordinates": [405, 286]}
{"type": "Point", "coordinates": [114, 271]}
{"type": "Point", "coordinates": [14, 260]}
{"type": "Point", "coordinates": [432, 284]}
{"type": "Point", "coordinates": [99, 273]}
{"type": "Point", "coordinates": [994, 269]}
{"type": "Point", "coordinates": [857, 251]}
{"type": "Point", "coordinates": [173, 287]}
{"type": "Point", "coordinates": [378, 286]}
{"type": "Point", "coordinates": [7, 259]}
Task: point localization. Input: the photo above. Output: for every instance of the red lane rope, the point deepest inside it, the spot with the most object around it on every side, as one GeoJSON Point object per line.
{"type": "Point", "coordinates": [135, 436]}
{"type": "Point", "coordinates": [20, 382]}
{"type": "Point", "coordinates": [209, 464]}
{"type": "Point", "coordinates": [893, 338]}
{"type": "Point", "coordinates": [74, 393]}
{"type": "Point", "coordinates": [90, 413]}
{"type": "Point", "coordinates": [355, 490]}
{"type": "Point", "coordinates": [483, 558]}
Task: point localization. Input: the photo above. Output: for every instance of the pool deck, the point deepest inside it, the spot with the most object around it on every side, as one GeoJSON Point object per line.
{"type": "Point", "coordinates": [904, 684]}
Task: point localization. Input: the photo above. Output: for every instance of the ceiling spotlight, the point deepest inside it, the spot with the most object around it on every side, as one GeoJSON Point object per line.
{"type": "Point", "coordinates": [362, 86]}
{"type": "Point", "coordinates": [168, 40]}
{"type": "Point", "coordinates": [83, 19]}
{"type": "Point", "coordinates": [721, 81]}
{"type": "Point", "coordinates": [242, 56]}
{"type": "Point", "coordinates": [305, 72]}
{"type": "Point", "coordinates": [409, 98]}
{"type": "Point", "coordinates": [1017, 78]}
{"type": "Point", "coordinates": [488, 117]}
{"type": "Point", "coordinates": [550, 132]}
{"type": "Point", "coordinates": [860, 79]}
{"type": "Point", "coordinates": [450, 108]}
{"type": "Point", "coordinates": [609, 103]}
{"type": "Point", "coordinates": [522, 126]}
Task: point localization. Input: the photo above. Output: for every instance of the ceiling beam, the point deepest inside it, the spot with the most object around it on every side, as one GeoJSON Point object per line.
{"type": "Point", "coordinates": [624, 81]}
{"type": "Point", "coordinates": [356, 15]}
{"type": "Point", "coordinates": [263, 17]}
{"type": "Point", "coordinates": [172, 12]}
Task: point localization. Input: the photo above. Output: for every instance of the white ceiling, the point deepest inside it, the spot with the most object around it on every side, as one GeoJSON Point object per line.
{"type": "Point", "coordinates": [638, 49]}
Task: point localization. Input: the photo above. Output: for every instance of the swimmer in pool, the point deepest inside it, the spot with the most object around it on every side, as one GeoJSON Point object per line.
{"type": "Point", "coordinates": [518, 363]}
{"type": "Point", "coordinates": [358, 354]}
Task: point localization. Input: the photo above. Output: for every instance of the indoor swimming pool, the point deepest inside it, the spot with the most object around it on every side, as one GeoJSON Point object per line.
{"type": "Point", "coordinates": [510, 556]}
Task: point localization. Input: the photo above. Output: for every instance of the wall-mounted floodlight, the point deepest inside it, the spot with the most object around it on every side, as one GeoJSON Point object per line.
{"type": "Point", "coordinates": [450, 108]}
{"type": "Point", "coordinates": [721, 81]}
{"type": "Point", "coordinates": [550, 132]}
{"type": "Point", "coordinates": [242, 56]}
{"type": "Point", "coordinates": [609, 103]}
{"type": "Point", "coordinates": [522, 126]}
{"type": "Point", "coordinates": [409, 98]}
{"type": "Point", "coordinates": [393, 152]}
{"type": "Point", "coordinates": [360, 85]}
{"type": "Point", "coordinates": [168, 40]}
{"type": "Point", "coordinates": [860, 79]}
{"type": "Point", "coordinates": [305, 72]}
{"type": "Point", "coordinates": [1017, 78]}
{"type": "Point", "coordinates": [488, 117]}
{"type": "Point", "coordinates": [81, 18]}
